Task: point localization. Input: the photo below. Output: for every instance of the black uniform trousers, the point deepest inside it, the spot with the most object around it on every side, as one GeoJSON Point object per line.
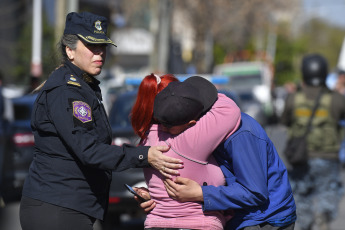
{"type": "Point", "coordinates": [39, 215]}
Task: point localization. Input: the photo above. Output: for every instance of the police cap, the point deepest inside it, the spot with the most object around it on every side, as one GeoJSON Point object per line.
{"type": "Point", "coordinates": [89, 27]}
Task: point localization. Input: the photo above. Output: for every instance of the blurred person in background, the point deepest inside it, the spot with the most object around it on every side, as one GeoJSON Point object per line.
{"type": "Point", "coordinates": [176, 110]}
{"type": "Point", "coordinates": [2, 107]}
{"type": "Point", "coordinates": [34, 83]}
{"type": "Point", "coordinates": [69, 178]}
{"type": "Point", "coordinates": [340, 83]}
{"type": "Point", "coordinates": [2, 138]}
{"type": "Point", "coordinates": [290, 87]}
{"type": "Point", "coordinates": [340, 87]}
{"type": "Point", "coordinates": [316, 184]}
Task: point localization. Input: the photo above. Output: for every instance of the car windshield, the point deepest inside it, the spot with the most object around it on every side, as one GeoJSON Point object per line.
{"type": "Point", "coordinates": [245, 81]}
{"type": "Point", "coordinates": [120, 111]}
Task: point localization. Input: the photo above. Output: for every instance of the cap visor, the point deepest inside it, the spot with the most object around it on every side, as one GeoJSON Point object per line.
{"type": "Point", "coordinates": [93, 40]}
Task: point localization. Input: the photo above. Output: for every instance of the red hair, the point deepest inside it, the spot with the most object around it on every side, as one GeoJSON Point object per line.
{"type": "Point", "coordinates": [142, 111]}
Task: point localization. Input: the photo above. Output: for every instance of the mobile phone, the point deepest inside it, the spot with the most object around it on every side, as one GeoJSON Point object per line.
{"type": "Point", "coordinates": [131, 190]}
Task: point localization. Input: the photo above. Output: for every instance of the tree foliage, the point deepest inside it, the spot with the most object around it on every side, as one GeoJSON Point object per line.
{"type": "Point", "coordinates": [21, 71]}
{"type": "Point", "coordinates": [241, 27]}
{"type": "Point", "coordinates": [229, 26]}
{"type": "Point", "coordinates": [233, 24]}
{"type": "Point", "coordinates": [315, 36]}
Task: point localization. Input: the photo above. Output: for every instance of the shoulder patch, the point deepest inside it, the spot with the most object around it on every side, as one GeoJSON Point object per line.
{"type": "Point", "coordinates": [71, 80]}
{"type": "Point", "coordinates": [82, 111]}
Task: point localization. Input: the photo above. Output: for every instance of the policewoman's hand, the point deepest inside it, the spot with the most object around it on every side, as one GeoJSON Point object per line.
{"type": "Point", "coordinates": [147, 206]}
{"type": "Point", "coordinates": [165, 165]}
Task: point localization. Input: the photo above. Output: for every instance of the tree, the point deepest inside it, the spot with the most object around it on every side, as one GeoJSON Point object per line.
{"type": "Point", "coordinates": [235, 25]}
{"type": "Point", "coordinates": [21, 71]}
{"type": "Point", "coordinates": [315, 37]}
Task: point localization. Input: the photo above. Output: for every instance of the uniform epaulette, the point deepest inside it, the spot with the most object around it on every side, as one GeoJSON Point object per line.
{"type": "Point", "coordinates": [71, 80]}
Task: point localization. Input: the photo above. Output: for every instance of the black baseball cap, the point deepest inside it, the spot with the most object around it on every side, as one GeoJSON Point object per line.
{"type": "Point", "coordinates": [181, 102]}
{"type": "Point", "coordinates": [208, 92]}
{"type": "Point", "coordinates": [89, 27]}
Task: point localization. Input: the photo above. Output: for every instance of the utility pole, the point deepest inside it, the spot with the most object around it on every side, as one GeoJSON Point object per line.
{"type": "Point", "coordinates": [72, 6]}
{"type": "Point", "coordinates": [62, 8]}
{"type": "Point", "coordinates": [154, 27]}
{"type": "Point", "coordinates": [60, 14]}
{"type": "Point", "coordinates": [165, 9]}
{"type": "Point", "coordinates": [36, 59]}
{"type": "Point", "coordinates": [161, 11]}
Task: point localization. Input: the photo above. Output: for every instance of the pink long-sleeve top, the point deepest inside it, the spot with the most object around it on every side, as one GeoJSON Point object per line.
{"type": "Point", "coordinates": [194, 146]}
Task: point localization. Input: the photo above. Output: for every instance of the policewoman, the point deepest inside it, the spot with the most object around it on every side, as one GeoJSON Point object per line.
{"type": "Point", "coordinates": [68, 182]}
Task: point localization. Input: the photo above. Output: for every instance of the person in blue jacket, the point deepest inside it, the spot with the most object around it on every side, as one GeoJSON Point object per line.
{"type": "Point", "coordinates": [67, 186]}
{"type": "Point", "coordinates": [258, 188]}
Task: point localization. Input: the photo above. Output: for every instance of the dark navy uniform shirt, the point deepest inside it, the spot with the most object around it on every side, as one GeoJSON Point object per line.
{"type": "Point", "coordinates": [73, 157]}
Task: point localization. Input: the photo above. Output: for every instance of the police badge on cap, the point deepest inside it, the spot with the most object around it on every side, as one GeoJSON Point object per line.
{"type": "Point", "coordinates": [89, 27]}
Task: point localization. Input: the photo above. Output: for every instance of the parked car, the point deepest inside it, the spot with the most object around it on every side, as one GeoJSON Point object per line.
{"type": "Point", "coordinates": [252, 81]}
{"type": "Point", "coordinates": [120, 200]}
{"type": "Point", "coordinates": [19, 146]}
{"type": "Point", "coordinates": [232, 95]}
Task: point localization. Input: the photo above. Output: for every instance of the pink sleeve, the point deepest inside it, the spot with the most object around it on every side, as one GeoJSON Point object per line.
{"type": "Point", "coordinates": [199, 141]}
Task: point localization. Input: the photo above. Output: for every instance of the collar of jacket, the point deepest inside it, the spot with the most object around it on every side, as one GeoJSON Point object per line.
{"type": "Point", "coordinates": [311, 92]}
{"type": "Point", "coordinates": [84, 76]}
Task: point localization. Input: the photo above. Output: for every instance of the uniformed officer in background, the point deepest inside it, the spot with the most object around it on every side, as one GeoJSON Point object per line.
{"type": "Point", "coordinates": [316, 185]}
{"type": "Point", "coordinates": [69, 178]}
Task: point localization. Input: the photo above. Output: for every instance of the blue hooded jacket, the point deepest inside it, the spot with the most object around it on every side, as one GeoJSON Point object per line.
{"type": "Point", "coordinates": [258, 188]}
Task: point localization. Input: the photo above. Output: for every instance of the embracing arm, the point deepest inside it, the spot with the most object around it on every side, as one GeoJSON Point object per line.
{"type": "Point", "coordinates": [88, 144]}
{"type": "Point", "coordinates": [248, 188]}
{"type": "Point", "coordinates": [211, 129]}
{"type": "Point", "coordinates": [247, 184]}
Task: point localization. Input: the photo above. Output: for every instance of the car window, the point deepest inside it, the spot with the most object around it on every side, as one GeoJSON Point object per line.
{"type": "Point", "coordinates": [232, 95]}
{"type": "Point", "coordinates": [121, 109]}
{"type": "Point", "coordinates": [22, 112]}
{"type": "Point", "coordinates": [247, 81]}
{"type": "Point", "coordinates": [22, 107]}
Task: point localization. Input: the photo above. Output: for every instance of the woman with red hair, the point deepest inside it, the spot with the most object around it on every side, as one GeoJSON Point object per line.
{"type": "Point", "coordinates": [142, 112]}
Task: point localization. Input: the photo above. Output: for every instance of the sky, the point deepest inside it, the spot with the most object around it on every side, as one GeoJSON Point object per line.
{"type": "Point", "coordinates": [331, 10]}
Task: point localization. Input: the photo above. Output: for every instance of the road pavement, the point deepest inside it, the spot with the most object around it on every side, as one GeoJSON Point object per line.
{"type": "Point", "coordinates": [339, 223]}
{"type": "Point", "coordinates": [278, 137]}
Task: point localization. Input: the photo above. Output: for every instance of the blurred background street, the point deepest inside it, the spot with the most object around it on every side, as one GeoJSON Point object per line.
{"type": "Point", "coordinates": [251, 50]}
